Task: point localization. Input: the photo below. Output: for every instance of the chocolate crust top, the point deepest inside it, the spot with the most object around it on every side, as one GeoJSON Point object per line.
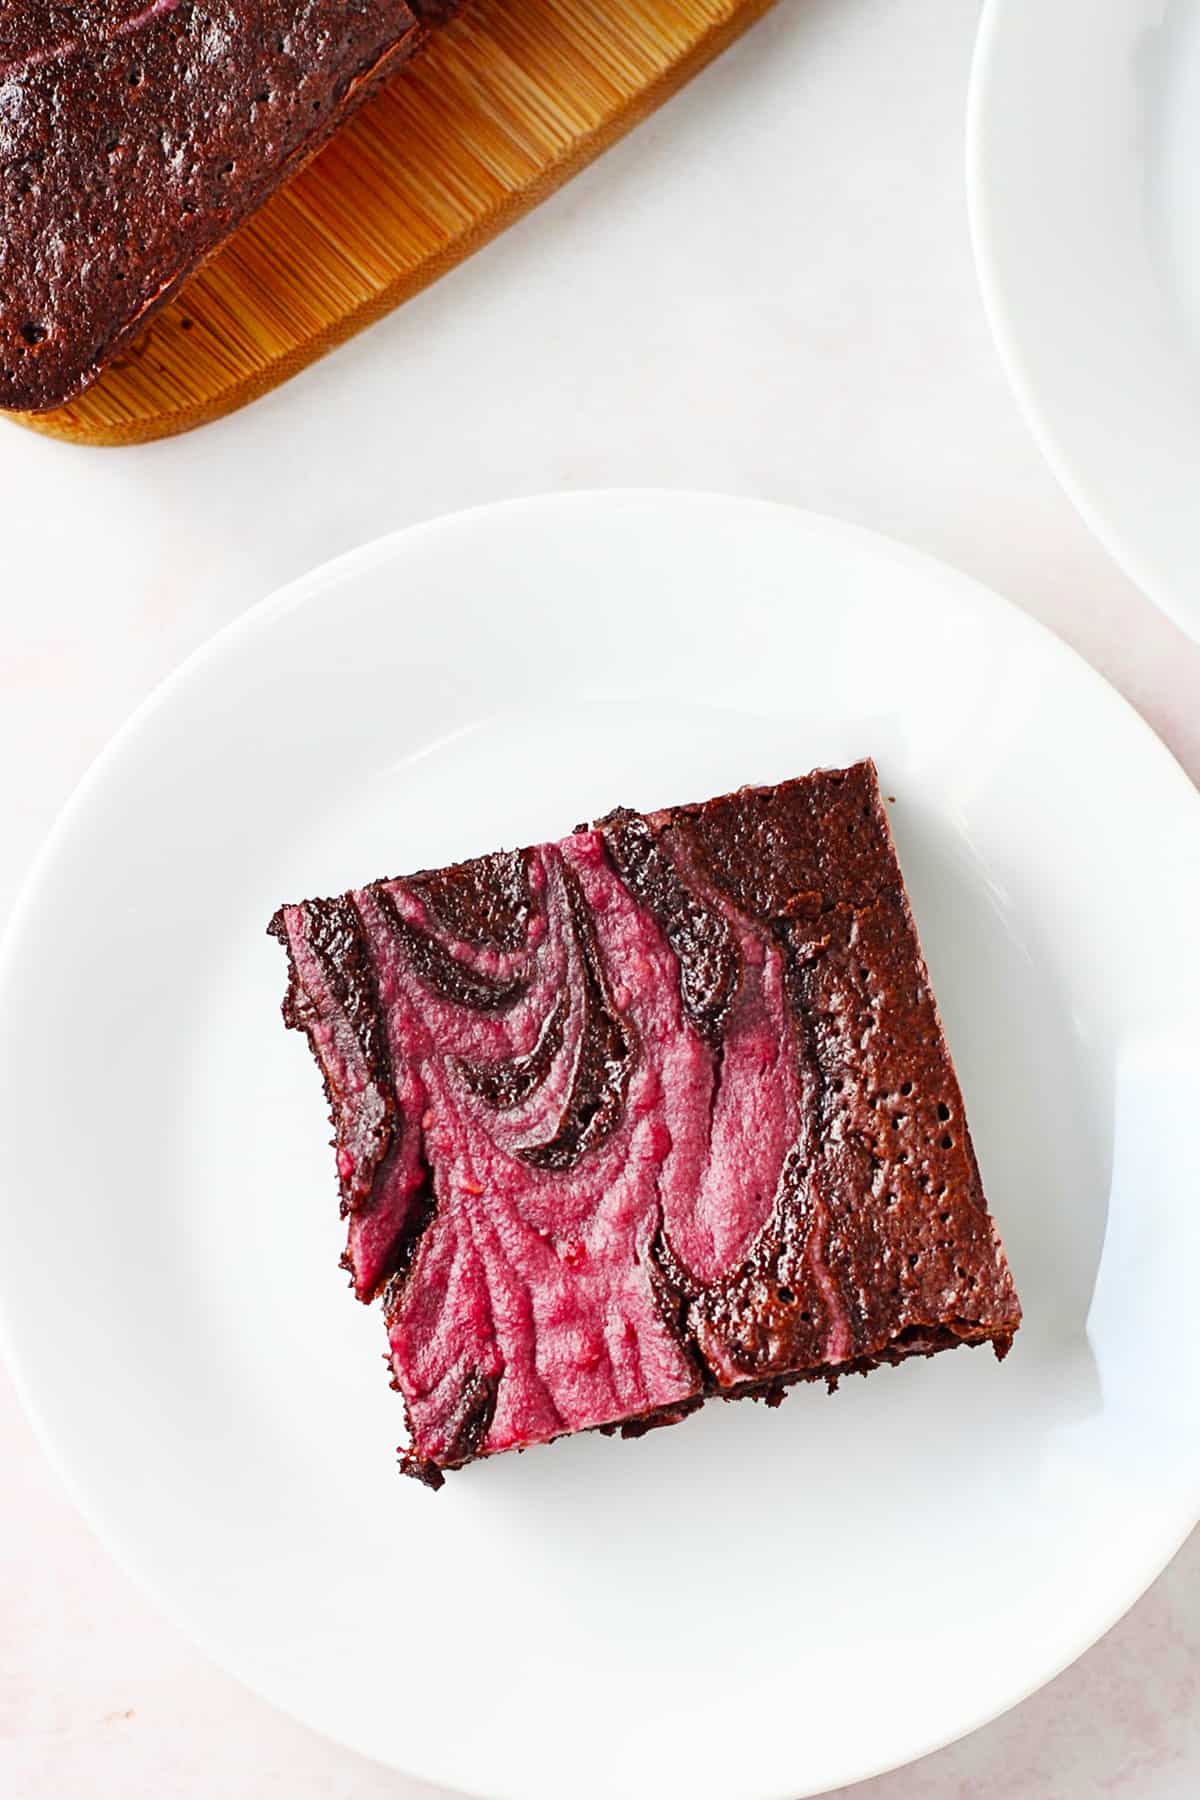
{"type": "Point", "coordinates": [135, 137]}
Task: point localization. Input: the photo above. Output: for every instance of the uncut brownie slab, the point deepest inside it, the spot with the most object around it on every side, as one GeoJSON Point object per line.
{"type": "Point", "coordinates": [136, 135]}
{"type": "Point", "coordinates": [658, 1112]}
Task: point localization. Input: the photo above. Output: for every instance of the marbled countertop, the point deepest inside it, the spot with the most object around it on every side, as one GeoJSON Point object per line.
{"type": "Point", "coordinates": [767, 289]}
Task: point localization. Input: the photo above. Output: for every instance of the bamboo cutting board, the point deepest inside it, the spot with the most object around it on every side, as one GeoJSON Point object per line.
{"type": "Point", "coordinates": [505, 104]}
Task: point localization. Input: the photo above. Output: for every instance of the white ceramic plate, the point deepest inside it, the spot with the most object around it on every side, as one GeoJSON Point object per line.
{"type": "Point", "coordinates": [1083, 158]}
{"type": "Point", "coordinates": [753, 1604]}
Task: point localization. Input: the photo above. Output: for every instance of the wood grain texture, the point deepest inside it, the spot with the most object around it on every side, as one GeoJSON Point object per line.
{"type": "Point", "coordinates": [507, 102]}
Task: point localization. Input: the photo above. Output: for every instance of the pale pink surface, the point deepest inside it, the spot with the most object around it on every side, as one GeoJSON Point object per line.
{"type": "Point", "coordinates": [857, 378]}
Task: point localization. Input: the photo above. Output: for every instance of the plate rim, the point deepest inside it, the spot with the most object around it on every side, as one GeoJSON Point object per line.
{"type": "Point", "coordinates": [1140, 566]}
{"type": "Point", "coordinates": [310, 586]}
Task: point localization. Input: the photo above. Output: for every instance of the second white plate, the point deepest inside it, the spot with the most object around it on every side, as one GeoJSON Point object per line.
{"type": "Point", "coordinates": [1083, 146]}
{"type": "Point", "coordinates": [753, 1604]}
